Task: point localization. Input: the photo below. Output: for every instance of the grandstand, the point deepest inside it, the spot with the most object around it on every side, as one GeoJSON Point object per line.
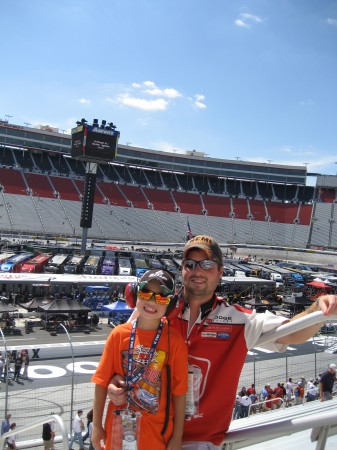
{"type": "Point", "coordinates": [147, 195]}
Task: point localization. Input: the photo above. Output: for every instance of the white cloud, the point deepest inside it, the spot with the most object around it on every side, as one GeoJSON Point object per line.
{"type": "Point", "coordinates": [163, 146]}
{"type": "Point", "coordinates": [199, 101]}
{"type": "Point", "coordinates": [332, 22]}
{"type": "Point", "coordinates": [240, 23]}
{"type": "Point", "coordinates": [84, 101]}
{"type": "Point", "coordinates": [251, 17]}
{"type": "Point", "coordinates": [149, 84]}
{"type": "Point", "coordinates": [168, 93]}
{"type": "Point", "coordinates": [159, 104]}
{"type": "Point", "coordinates": [141, 96]}
{"type": "Point", "coordinates": [246, 19]}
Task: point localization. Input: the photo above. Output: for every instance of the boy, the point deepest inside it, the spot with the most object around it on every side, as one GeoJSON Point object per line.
{"type": "Point", "coordinates": [141, 351]}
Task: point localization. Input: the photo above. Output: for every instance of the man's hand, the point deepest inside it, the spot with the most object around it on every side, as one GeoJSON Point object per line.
{"type": "Point", "coordinates": [328, 304]}
{"type": "Point", "coordinates": [117, 390]}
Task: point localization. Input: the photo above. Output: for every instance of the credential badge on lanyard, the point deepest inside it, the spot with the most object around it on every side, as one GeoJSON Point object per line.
{"type": "Point", "coordinates": [193, 394]}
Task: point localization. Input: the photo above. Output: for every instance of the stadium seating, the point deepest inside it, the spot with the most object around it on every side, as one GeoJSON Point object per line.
{"type": "Point", "coordinates": [146, 204]}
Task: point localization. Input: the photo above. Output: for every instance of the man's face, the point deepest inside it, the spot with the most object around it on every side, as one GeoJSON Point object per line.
{"type": "Point", "coordinates": [200, 284]}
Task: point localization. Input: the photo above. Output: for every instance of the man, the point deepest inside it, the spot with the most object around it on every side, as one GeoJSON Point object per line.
{"type": "Point", "coordinates": [218, 337]}
{"type": "Point", "coordinates": [237, 406]}
{"type": "Point", "coordinates": [245, 403]}
{"type": "Point", "coordinates": [5, 424]}
{"type": "Point", "coordinates": [299, 394]}
{"type": "Point", "coordinates": [326, 383]}
{"type": "Point", "coordinates": [78, 427]}
{"type": "Point", "coordinates": [312, 390]}
{"type": "Point", "coordinates": [289, 392]}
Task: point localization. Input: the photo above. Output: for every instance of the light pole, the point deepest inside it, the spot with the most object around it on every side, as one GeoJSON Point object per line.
{"type": "Point", "coordinates": [6, 371]}
{"type": "Point", "coordinates": [72, 380]}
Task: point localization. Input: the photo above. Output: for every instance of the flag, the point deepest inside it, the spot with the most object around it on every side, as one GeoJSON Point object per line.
{"type": "Point", "coordinates": [189, 232]}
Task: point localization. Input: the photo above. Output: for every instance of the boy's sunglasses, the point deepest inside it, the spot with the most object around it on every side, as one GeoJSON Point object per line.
{"type": "Point", "coordinates": [205, 264]}
{"type": "Point", "coordinates": [146, 294]}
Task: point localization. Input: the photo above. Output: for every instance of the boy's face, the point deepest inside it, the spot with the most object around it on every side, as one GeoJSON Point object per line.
{"type": "Point", "coordinates": [149, 309]}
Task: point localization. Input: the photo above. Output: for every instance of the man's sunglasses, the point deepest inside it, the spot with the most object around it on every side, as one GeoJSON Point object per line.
{"type": "Point", "coordinates": [205, 264]}
{"type": "Point", "coordinates": [146, 294]}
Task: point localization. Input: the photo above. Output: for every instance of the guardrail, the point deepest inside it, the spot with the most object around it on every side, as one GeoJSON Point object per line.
{"type": "Point", "coordinates": [323, 424]}
{"type": "Point", "coordinates": [38, 423]}
{"type": "Point", "coordinates": [264, 402]}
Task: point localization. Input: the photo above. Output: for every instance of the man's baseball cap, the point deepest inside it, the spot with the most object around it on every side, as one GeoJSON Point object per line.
{"type": "Point", "coordinates": [207, 244]}
{"type": "Point", "coordinates": [333, 367]}
{"type": "Point", "coordinates": [164, 278]}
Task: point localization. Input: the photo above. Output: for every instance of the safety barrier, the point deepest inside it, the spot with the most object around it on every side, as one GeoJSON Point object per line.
{"type": "Point", "coordinates": [64, 439]}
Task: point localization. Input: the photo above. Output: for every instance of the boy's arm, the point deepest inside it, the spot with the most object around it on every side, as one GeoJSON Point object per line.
{"type": "Point", "coordinates": [98, 432]}
{"type": "Point", "coordinates": [179, 403]}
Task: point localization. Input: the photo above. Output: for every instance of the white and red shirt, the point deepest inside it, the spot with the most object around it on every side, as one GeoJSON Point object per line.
{"type": "Point", "coordinates": [217, 347]}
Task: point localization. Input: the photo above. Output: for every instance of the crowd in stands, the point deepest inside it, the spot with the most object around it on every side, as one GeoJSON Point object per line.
{"type": "Point", "coordinates": [248, 401]}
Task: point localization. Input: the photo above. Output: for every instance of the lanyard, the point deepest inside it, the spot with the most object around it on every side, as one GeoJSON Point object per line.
{"type": "Point", "coordinates": [133, 379]}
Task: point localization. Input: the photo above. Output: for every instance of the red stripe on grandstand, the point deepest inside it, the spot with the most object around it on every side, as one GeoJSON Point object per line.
{"type": "Point", "coordinates": [188, 203]}
{"type": "Point", "coordinates": [12, 181]}
{"type": "Point", "coordinates": [39, 185]}
{"type": "Point", "coordinates": [217, 206]}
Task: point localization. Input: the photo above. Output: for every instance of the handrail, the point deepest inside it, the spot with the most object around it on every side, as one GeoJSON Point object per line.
{"type": "Point", "coordinates": [265, 401]}
{"type": "Point", "coordinates": [47, 419]}
{"type": "Point", "coordinates": [293, 326]}
{"type": "Point", "coordinates": [279, 428]}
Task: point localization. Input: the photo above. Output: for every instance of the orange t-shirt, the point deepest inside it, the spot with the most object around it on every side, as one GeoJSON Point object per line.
{"type": "Point", "coordinates": [149, 395]}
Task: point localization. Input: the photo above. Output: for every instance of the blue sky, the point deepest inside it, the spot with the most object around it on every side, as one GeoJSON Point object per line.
{"type": "Point", "coordinates": [254, 80]}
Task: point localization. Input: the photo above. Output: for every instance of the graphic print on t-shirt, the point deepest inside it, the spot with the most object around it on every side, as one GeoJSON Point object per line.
{"type": "Point", "coordinates": [146, 393]}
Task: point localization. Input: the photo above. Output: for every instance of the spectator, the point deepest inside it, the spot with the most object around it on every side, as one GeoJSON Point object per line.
{"type": "Point", "coordinates": [17, 367]}
{"type": "Point", "coordinates": [251, 389]}
{"type": "Point", "coordinates": [89, 420]}
{"type": "Point", "coordinates": [11, 439]}
{"type": "Point", "coordinates": [299, 393]}
{"type": "Point", "coordinates": [303, 381]}
{"type": "Point", "coordinates": [278, 395]}
{"type": "Point", "coordinates": [264, 392]}
{"type": "Point", "coordinates": [284, 390]}
{"type": "Point", "coordinates": [25, 361]}
{"type": "Point", "coordinates": [289, 392]}
{"type": "Point", "coordinates": [91, 425]}
{"type": "Point", "coordinates": [5, 424]}
{"type": "Point", "coordinates": [48, 435]}
{"type": "Point", "coordinates": [237, 407]}
{"type": "Point", "coordinates": [143, 350]}
{"type": "Point", "coordinates": [312, 391]}
{"type": "Point", "coordinates": [326, 383]}
{"type": "Point", "coordinates": [78, 427]}
{"type": "Point", "coordinates": [245, 403]}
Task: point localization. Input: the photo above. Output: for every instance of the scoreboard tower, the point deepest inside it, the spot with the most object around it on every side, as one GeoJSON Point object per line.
{"type": "Point", "coordinates": [92, 144]}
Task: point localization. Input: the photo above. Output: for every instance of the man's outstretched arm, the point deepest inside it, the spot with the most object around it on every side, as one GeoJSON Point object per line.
{"type": "Point", "coordinates": [327, 304]}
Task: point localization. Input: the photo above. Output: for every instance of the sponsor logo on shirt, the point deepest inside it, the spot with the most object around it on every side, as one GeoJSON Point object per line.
{"type": "Point", "coordinates": [210, 334]}
{"type": "Point", "coordinates": [207, 334]}
{"type": "Point", "coordinates": [222, 319]}
{"type": "Point", "coordinates": [224, 335]}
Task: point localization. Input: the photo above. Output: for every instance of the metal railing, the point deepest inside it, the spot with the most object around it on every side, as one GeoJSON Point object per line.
{"type": "Point", "coordinates": [252, 405]}
{"type": "Point", "coordinates": [38, 423]}
{"type": "Point", "coordinates": [323, 423]}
